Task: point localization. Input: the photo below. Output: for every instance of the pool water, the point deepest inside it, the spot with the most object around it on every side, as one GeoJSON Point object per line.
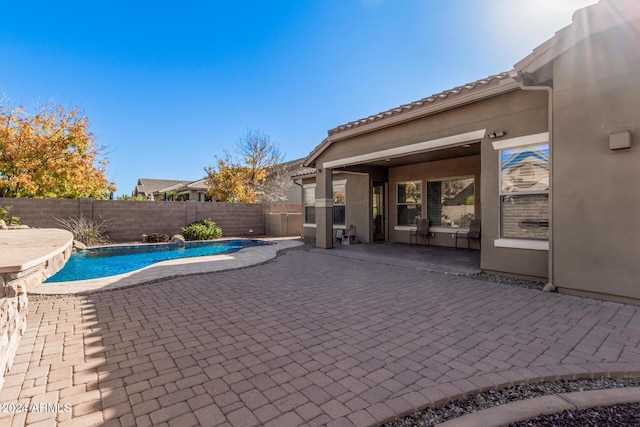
{"type": "Point", "coordinates": [110, 261]}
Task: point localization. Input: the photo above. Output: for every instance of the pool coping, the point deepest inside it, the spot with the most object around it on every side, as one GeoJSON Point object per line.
{"type": "Point", "coordinates": [23, 249]}
{"type": "Point", "coordinates": [173, 268]}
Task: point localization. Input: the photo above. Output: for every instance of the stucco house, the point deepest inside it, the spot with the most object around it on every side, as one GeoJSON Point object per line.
{"type": "Point", "coordinates": [183, 190]}
{"type": "Point", "coordinates": [545, 156]}
{"type": "Point", "coordinates": [196, 191]}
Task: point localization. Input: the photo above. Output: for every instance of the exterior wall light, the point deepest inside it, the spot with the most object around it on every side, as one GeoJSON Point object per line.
{"type": "Point", "coordinates": [497, 133]}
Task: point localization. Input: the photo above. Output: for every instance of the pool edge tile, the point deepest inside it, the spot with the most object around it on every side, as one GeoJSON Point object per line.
{"type": "Point", "coordinates": [168, 269]}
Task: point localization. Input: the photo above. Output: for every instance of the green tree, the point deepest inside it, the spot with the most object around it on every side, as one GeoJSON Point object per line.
{"type": "Point", "coordinates": [50, 153]}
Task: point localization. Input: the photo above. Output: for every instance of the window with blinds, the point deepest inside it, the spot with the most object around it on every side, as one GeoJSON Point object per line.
{"type": "Point", "coordinates": [524, 192]}
{"type": "Point", "coordinates": [409, 202]}
{"type": "Point", "coordinates": [309, 204]}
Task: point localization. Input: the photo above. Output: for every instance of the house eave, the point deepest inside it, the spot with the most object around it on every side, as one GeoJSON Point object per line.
{"type": "Point", "coordinates": [505, 85]}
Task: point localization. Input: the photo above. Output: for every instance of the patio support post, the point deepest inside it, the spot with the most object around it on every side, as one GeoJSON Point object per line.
{"type": "Point", "coordinates": [324, 209]}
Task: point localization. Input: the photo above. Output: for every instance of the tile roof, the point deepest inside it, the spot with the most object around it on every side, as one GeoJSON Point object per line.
{"type": "Point", "coordinates": [497, 83]}
{"type": "Point", "coordinates": [185, 185]}
{"type": "Point", "coordinates": [150, 185]}
{"type": "Point", "coordinates": [198, 185]}
{"type": "Point", "coordinates": [304, 172]}
{"type": "Point", "coordinates": [422, 103]}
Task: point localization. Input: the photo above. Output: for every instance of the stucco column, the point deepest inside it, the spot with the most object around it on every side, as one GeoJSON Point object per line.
{"type": "Point", "coordinates": [324, 209]}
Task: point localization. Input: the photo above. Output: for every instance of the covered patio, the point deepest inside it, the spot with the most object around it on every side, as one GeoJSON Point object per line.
{"type": "Point", "coordinates": [437, 259]}
{"type": "Point", "coordinates": [444, 159]}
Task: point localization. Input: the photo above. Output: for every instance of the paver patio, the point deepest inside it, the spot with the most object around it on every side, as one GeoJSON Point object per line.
{"type": "Point", "coordinates": [311, 338]}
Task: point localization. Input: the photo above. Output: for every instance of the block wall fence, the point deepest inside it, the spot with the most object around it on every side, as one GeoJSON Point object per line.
{"type": "Point", "coordinates": [128, 220]}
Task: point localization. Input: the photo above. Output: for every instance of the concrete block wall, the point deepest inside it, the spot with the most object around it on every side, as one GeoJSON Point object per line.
{"type": "Point", "coordinates": [128, 220]}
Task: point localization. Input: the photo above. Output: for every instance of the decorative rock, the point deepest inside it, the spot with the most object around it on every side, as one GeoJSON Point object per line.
{"type": "Point", "coordinates": [549, 288]}
{"type": "Point", "coordinates": [79, 245]}
{"type": "Point", "coordinates": [178, 238]}
{"type": "Point", "coordinates": [18, 227]}
{"type": "Point", "coordinates": [3, 225]}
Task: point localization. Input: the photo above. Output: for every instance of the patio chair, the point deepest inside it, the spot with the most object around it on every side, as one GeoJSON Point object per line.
{"type": "Point", "coordinates": [472, 233]}
{"type": "Point", "coordinates": [349, 237]}
{"type": "Point", "coordinates": [346, 237]}
{"type": "Point", "coordinates": [422, 230]}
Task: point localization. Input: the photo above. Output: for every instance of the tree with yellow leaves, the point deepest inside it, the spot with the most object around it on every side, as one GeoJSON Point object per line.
{"type": "Point", "coordinates": [229, 182]}
{"type": "Point", "coordinates": [261, 172]}
{"type": "Point", "coordinates": [49, 154]}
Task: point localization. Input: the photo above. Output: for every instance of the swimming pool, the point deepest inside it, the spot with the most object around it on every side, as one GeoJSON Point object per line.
{"type": "Point", "coordinates": [113, 260]}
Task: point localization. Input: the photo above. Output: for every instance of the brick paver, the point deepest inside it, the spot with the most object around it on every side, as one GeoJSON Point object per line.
{"type": "Point", "coordinates": [310, 338]}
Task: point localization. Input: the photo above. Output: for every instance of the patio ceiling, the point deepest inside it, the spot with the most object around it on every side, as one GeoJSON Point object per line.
{"type": "Point", "coordinates": [430, 156]}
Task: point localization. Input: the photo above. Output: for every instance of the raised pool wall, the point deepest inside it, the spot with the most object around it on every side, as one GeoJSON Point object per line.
{"type": "Point", "coordinates": [27, 258]}
{"type": "Point", "coordinates": [128, 220]}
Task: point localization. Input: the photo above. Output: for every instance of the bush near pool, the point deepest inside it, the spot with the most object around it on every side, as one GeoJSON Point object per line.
{"type": "Point", "coordinates": [204, 229]}
{"type": "Point", "coordinates": [157, 238]}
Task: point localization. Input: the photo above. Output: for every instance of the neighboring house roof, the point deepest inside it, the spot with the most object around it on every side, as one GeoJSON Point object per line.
{"type": "Point", "coordinates": [304, 172]}
{"type": "Point", "coordinates": [174, 187]}
{"type": "Point", "coordinates": [198, 185]}
{"type": "Point", "coordinates": [293, 164]}
{"type": "Point", "coordinates": [148, 186]}
{"type": "Point", "coordinates": [459, 95]}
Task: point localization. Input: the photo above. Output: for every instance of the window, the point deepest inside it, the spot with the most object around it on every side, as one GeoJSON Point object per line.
{"type": "Point", "coordinates": [451, 202]}
{"type": "Point", "coordinates": [339, 203]}
{"type": "Point", "coordinates": [309, 204]}
{"type": "Point", "coordinates": [409, 202]}
{"type": "Point", "coordinates": [524, 192]}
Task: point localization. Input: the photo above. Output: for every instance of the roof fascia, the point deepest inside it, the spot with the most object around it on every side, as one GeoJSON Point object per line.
{"type": "Point", "coordinates": [311, 158]}
{"type": "Point", "coordinates": [504, 86]}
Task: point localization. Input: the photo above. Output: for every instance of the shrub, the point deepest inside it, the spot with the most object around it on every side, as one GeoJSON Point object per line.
{"type": "Point", "coordinates": [85, 230]}
{"type": "Point", "coordinates": [4, 216]}
{"type": "Point", "coordinates": [205, 229]}
{"type": "Point", "coordinates": [157, 238]}
{"type": "Point", "coordinates": [136, 198]}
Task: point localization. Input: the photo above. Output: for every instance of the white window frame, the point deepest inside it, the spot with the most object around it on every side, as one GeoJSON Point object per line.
{"type": "Point", "coordinates": [415, 181]}
{"type": "Point", "coordinates": [519, 142]}
{"type": "Point", "coordinates": [304, 205]}
{"type": "Point", "coordinates": [335, 183]}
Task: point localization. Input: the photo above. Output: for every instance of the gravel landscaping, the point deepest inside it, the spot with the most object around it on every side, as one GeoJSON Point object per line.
{"type": "Point", "coordinates": [505, 280]}
{"type": "Point", "coordinates": [604, 416]}
{"type": "Point", "coordinates": [490, 398]}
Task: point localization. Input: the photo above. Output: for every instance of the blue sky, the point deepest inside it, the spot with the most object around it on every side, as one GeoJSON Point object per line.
{"type": "Point", "coordinates": [168, 85]}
